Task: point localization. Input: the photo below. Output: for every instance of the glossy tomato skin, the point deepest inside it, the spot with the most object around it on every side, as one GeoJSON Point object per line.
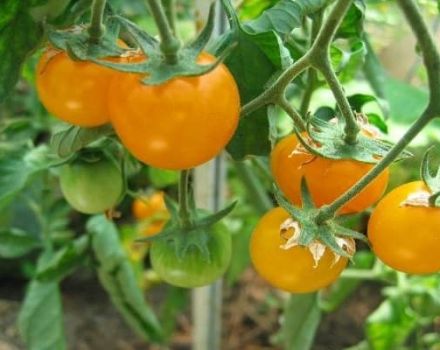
{"type": "Point", "coordinates": [406, 238]}
{"type": "Point", "coordinates": [73, 91]}
{"type": "Point", "coordinates": [327, 179]}
{"type": "Point", "coordinates": [91, 187]}
{"type": "Point", "coordinates": [291, 270]}
{"type": "Point", "coordinates": [179, 124]}
{"type": "Point", "coordinates": [193, 270]}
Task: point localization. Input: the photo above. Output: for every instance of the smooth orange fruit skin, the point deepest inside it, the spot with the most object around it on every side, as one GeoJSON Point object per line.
{"type": "Point", "coordinates": [148, 206]}
{"type": "Point", "coordinates": [179, 124]}
{"type": "Point", "coordinates": [327, 179]}
{"type": "Point", "coordinates": [291, 270]}
{"type": "Point", "coordinates": [406, 238]}
{"type": "Point", "coordinates": [73, 91]}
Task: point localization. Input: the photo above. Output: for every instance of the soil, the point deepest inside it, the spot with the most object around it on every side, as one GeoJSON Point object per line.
{"type": "Point", "coordinates": [250, 318]}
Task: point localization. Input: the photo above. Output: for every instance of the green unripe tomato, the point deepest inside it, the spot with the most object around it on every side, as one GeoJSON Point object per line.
{"type": "Point", "coordinates": [194, 269]}
{"type": "Point", "coordinates": [91, 187]}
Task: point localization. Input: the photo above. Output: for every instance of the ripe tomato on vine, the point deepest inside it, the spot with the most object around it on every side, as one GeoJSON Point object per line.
{"type": "Point", "coordinates": [293, 269]}
{"type": "Point", "coordinates": [327, 179]}
{"type": "Point", "coordinates": [406, 236]}
{"type": "Point", "coordinates": [179, 124]}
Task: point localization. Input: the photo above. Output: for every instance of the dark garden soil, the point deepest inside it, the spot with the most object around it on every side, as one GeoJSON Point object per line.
{"type": "Point", "coordinates": [249, 322]}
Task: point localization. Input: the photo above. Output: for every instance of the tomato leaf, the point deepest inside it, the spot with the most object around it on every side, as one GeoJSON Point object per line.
{"type": "Point", "coordinates": [119, 280]}
{"type": "Point", "coordinates": [19, 36]}
{"type": "Point", "coordinates": [40, 320]}
{"type": "Point", "coordinates": [353, 24]}
{"type": "Point", "coordinates": [256, 52]}
{"type": "Point", "coordinates": [65, 261]}
{"type": "Point", "coordinates": [389, 326]}
{"type": "Point", "coordinates": [66, 142]}
{"type": "Point", "coordinates": [285, 16]}
{"type": "Point", "coordinates": [17, 168]}
{"type": "Point", "coordinates": [301, 320]}
{"type": "Point", "coordinates": [15, 243]}
{"type": "Point", "coordinates": [161, 178]}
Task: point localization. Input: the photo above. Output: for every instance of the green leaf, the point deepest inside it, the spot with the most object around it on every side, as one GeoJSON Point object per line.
{"type": "Point", "coordinates": [16, 170]}
{"type": "Point", "coordinates": [119, 280]}
{"type": "Point", "coordinates": [41, 316]}
{"type": "Point", "coordinates": [161, 178]}
{"type": "Point", "coordinates": [15, 243]}
{"type": "Point", "coordinates": [19, 35]}
{"type": "Point", "coordinates": [353, 24]}
{"type": "Point", "coordinates": [285, 16]}
{"type": "Point", "coordinates": [65, 261]}
{"type": "Point", "coordinates": [301, 320]}
{"type": "Point", "coordinates": [348, 61]}
{"type": "Point", "coordinates": [390, 325]}
{"type": "Point", "coordinates": [406, 102]}
{"type": "Point", "coordinates": [176, 301]}
{"type": "Point", "coordinates": [71, 140]}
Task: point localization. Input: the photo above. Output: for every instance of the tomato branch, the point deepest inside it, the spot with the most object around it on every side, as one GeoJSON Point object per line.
{"type": "Point", "coordinates": [169, 45]}
{"type": "Point", "coordinates": [170, 12]}
{"type": "Point", "coordinates": [292, 113]}
{"type": "Point", "coordinates": [429, 48]}
{"type": "Point", "coordinates": [431, 57]}
{"type": "Point", "coordinates": [320, 59]}
{"type": "Point", "coordinates": [311, 73]}
{"type": "Point", "coordinates": [96, 29]}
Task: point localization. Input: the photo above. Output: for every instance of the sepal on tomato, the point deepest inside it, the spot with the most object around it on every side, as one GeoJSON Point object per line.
{"type": "Point", "coordinates": [156, 69]}
{"type": "Point", "coordinates": [309, 233]}
{"type": "Point", "coordinates": [326, 139]}
{"type": "Point", "coordinates": [75, 41]}
{"type": "Point", "coordinates": [431, 180]}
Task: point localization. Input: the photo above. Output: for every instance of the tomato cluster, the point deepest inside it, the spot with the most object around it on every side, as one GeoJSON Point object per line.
{"type": "Point", "coordinates": [295, 269]}
{"type": "Point", "coordinates": [179, 124]}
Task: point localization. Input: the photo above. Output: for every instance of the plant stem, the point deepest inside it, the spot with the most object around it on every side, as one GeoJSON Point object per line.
{"type": "Point", "coordinates": [351, 128]}
{"type": "Point", "coordinates": [429, 48]}
{"type": "Point", "coordinates": [169, 44]}
{"type": "Point", "coordinates": [287, 107]}
{"type": "Point", "coordinates": [184, 212]}
{"type": "Point", "coordinates": [328, 211]}
{"type": "Point", "coordinates": [258, 197]}
{"type": "Point", "coordinates": [96, 29]}
{"type": "Point", "coordinates": [170, 12]}
{"type": "Point", "coordinates": [272, 94]}
{"type": "Point", "coordinates": [311, 74]}
{"type": "Point", "coordinates": [320, 59]}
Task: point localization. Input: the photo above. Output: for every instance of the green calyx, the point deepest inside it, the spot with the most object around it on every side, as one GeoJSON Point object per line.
{"type": "Point", "coordinates": [194, 235]}
{"type": "Point", "coordinates": [432, 181]}
{"type": "Point", "coordinates": [75, 41]}
{"type": "Point", "coordinates": [326, 139]}
{"type": "Point", "coordinates": [311, 230]}
{"type": "Point", "coordinates": [156, 68]}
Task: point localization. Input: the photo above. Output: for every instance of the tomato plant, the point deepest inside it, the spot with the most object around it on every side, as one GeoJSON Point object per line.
{"type": "Point", "coordinates": [73, 91]}
{"type": "Point", "coordinates": [327, 178]}
{"type": "Point", "coordinates": [179, 124]}
{"type": "Point", "coordinates": [194, 268]}
{"type": "Point", "coordinates": [91, 187]}
{"type": "Point", "coordinates": [404, 236]}
{"type": "Point", "coordinates": [294, 269]}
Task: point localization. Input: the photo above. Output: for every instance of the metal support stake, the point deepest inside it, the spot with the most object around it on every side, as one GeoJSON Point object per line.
{"type": "Point", "coordinates": [209, 187]}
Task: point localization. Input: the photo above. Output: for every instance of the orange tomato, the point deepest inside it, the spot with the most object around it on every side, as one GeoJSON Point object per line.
{"type": "Point", "coordinates": [294, 269]}
{"type": "Point", "coordinates": [73, 91]}
{"type": "Point", "coordinates": [179, 124]}
{"type": "Point", "coordinates": [327, 179]}
{"type": "Point", "coordinates": [152, 212]}
{"type": "Point", "coordinates": [407, 238]}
